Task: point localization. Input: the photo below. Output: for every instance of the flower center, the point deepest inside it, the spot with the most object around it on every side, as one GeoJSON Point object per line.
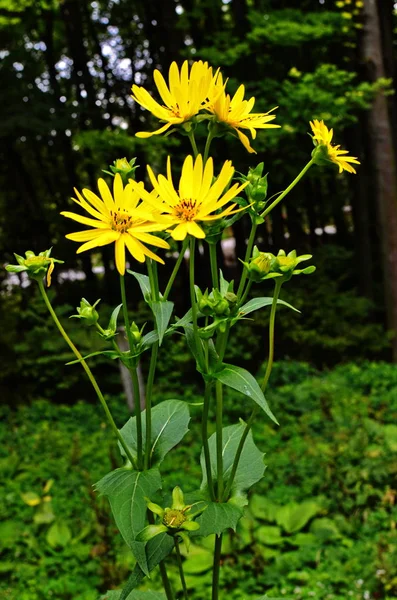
{"type": "Point", "coordinates": [186, 210]}
{"type": "Point", "coordinates": [286, 261]}
{"type": "Point", "coordinates": [37, 261]}
{"type": "Point", "coordinates": [121, 221]}
{"type": "Point", "coordinates": [174, 518]}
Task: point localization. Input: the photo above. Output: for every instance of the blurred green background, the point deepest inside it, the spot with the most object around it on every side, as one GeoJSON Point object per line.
{"type": "Point", "coordinates": [323, 522]}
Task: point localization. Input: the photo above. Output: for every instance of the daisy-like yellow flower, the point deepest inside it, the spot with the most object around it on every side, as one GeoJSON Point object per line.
{"type": "Point", "coordinates": [197, 198]}
{"type": "Point", "coordinates": [322, 137]}
{"type": "Point", "coordinates": [184, 96]}
{"type": "Point", "coordinates": [236, 112]}
{"type": "Point", "coordinates": [118, 218]}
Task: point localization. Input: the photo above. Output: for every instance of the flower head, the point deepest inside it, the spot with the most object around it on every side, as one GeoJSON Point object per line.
{"type": "Point", "coordinates": [183, 97]}
{"type": "Point", "coordinates": [35, 265]}
{"type": "Point", "coordinates": [197, 199]}
{"type": "Point", "coordinates": [264, 265]}
{"type": "Point", "coordinates": [236, 112]}
{"type": "Point", "coordinates": [87, 312]}
{"type": "Point", "coordinates": [324, 152]}
{"type": "Point", "coordinates": [118, 219]}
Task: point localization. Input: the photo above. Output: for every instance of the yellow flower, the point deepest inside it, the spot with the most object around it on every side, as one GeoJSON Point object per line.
{"type": "Point", "coordinates": [117, 218]}
{"type": "Point", "coordinates": [323, 137]}
{"type": "Point", "coordinates": [184, 96]}
{"type": "Point", "coordinates": [197, 198]}
{"type": "Point", "coordinates": [236, 112]}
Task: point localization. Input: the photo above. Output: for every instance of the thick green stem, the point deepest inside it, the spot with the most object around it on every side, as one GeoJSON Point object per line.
{"type": "Point", "coordinates": [193, 299]}
{"type": "Point", "coordinates": [248, 253]}
{"type": "Point", "coordinates": [204, 435]}
{"type": "Point", "coordinates": [214, 265]}
{"type": "Point", "coordinates": [255, 410]}
{"type": "Point", "coordinates": [176, 268]}
{"type": "Point", "coordinates": [88, 373]}
{"type": "Point", "coordinates": [216, 568]}
{"type": "Point", "coordinates": [219, 439]}
{"type": "Point", "coordinates": [166, 582]}
{"type": "Point", "coordinates": [246, 292]}
{"type": "Point", "coordinates": [180, 567]}
{"type": "Point", "coordinates": [210, 137]}
{"type": "Point", "coordinates": [193, 142]}
{"type": "Point", "coordinates": [134, 375]}
{"type": "Point", "coordinates": [288, 189]}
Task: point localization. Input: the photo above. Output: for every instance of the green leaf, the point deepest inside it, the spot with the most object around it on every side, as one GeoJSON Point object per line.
{"type": "Point", "coordinates": [126, 491]}
{"type": "Point", "coordinates": [185, 320]}
{"type": "Point", "coordinates": [294, 517]}
{"type": "Point", "coordinates": [149, 339]}
{"type": "Point", "coordinates": [324, 529]}
{"type": "Point", "coordinates": [113, 318]}
{"type": "Point", "coordinates": [58, 535]}
{"type": "Point", "coordinates": [144, 284]}
{"type": "Point", "coordinates": [217, 518]}
{"type": "Point", "coordinates": [162, 311]}
{"type": "Point", "coordinates": [251, 466]}
{"type": "Point", "coordinates": [194, 348]}
{"type": "Point", "coordinates": [157, 549]}
{"type": "Point", "coordinates": [223, 284]}
{"type": "Point", "coordinates": [257, 303]}
{"type": "Point", "coordinates": [109, 353]}
{"type": "Point", "coordinates": [390, 432]}
{"type": "Point", "coordinates": [263, 508]}
{"type": "Point", "coordinates": [269, 535]}
{"type": "Point", "coordinates": [241, 380]}
{"type": "Point", "coordinates": [170, 420]}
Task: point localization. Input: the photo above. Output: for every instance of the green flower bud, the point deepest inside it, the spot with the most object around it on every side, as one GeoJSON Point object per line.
{"type": "Point", "coordinates": [124, 167]}
{"type": "Point", "coordinates": [135, 332]}
{"type": "Point", "coordinates": [36, 266]}
{"type": "Point", "coordinates": [222, 308]}
{"type": "Point", "coordinates": [87, 312]}
{"type": "Point", "coordinates": [286, 264]}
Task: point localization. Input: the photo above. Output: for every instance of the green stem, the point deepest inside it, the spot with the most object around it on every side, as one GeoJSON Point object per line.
{"type": "Point", "coordinates": [214, 266]}
{"type": "Point", "coordinates": [88, 373]}
{"type": "Point", "coordinates": [176, 268]}
{"type": "Point", "coordinates": [193, 296]}
{"type": "Point", "coordinates": [210, 137]}
{"type": "Point", "coordinates": [246, 292]}
{"type": "Point", "coordinates": [248, 253]}
{"type": "Point", "coordinates": [180, 567]}
{"type": "Point", "coordinates": [193, 142]}
{"type": "Point", "coordinates": [288, 189]}
{"type": "Point", "coordinates": [255, 410]}
{"type": "Point", "coordinates": [133, 373]}
{"type": "Point", "coordinates": [166, 582]}
{"type": "Point", "coordinates": [204, 435]}
{"type": "Point", "coordinates": [216, 568]}
{"type": "Point", "coordinates": [219, 439]}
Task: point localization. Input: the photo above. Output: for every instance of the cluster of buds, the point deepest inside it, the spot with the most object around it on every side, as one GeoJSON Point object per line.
{"type": "Point", "coordinates": [256, 192]}
{"type": "Point", "coordinates": [265, 265]}
{"type": "Point", "coordinates": [125, 168]}
{"type": "Point", "coordinates": [221, 307]}
{"type": "Point", "coordinates": [174, 520]}
{"type": "Point", "coordinates": [36, 266]}
{"type": "Point", "coordinates": [87, 312]}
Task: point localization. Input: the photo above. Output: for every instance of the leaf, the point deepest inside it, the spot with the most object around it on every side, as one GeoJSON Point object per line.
{"type": "Point", "coordinates": [224, 286]}
{"type": "Point", "coordinates": [144, 284]}
{"type": "Point", "coordinates": [185, 320]}
{"type": "Point", "coordinates": [110, 353]}
{"type": "Point", "coordinates": [31, 498]}
{"type": "Point", "coordinates": [58, 535]}
{"type": "Point", "coordinates": [263, 508]}
{"type": "Point", "coordinates": [324, 529]}
{"type": "Point", "coordinates": [113, 318]}
{"type": "Point", "coordinates": [251, 466]}
{"type": "Point", "coordinates": [294, 517]}
{"type": "Point", "coordinates": [170, 420]}
{"type": "Point", "coordinates": [390, 433]}
{"type": "Point", "coordinates": [199, 561]}
{"type": "Point", "coordinates": [44, 514]}
{"type": "Point", "coordinates": [193, 347]}
{"type": "Point", "coordinates": [257, 303]}
{"type": "Point", "coordinates": [149, 339]}
{"type": "Point", "coordinates": [157, 549]}
{"type": "Point", "coordinates": [269, 535]}
{"type": "Point", "coordinates": [241, 380]}
{"type": "Point", "coordinates": [126, 491]}
{"type": "Point", "coordinates": [217, 518]}
{"type": "Point", "coordinates": [162, 311]}
{"type": "Point", "coordinates": [135, 595]}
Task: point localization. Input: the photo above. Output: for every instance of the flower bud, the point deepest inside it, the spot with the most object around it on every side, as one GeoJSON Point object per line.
{"type": "Point", "coordinates": [35, 265]}
{"type": "Point", "coordinates": [87, 312]}
{"type": "Point", "coordinates": [135, 332]}
{"type": "Point", "coordinates": [125, 168]}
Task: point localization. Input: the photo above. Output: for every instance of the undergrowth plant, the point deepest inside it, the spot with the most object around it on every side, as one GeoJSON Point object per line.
{"type": "Point", "coordinates": [153, 519]}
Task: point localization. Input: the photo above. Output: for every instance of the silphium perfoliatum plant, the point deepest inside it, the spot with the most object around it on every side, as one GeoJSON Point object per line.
{"type": "Point", "coordinates": [192, 205]}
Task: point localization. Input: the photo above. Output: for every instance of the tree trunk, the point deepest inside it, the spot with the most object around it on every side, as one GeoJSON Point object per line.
{"type": "Point", "coordinates": [384, 162]}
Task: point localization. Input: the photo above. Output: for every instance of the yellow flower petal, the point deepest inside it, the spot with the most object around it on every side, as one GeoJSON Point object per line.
{"type": "Point", "coordinates": [151, 239]}
{"type": "Point", "coordinates": [120, 255]}
{"type": "Point", "coordinates": [135, 248]}
{"type": "Point", "coordinates": [85, 220]}
{"type": "Point", "coordinates": [101, 240]}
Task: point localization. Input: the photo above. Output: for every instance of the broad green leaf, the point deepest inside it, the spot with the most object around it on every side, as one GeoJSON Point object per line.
{"type": "Point", "coordinates": [241, 380]}
{"type": "Point", "coordinates": [126, 491]}
{"type": "Point", "coordinates": [162, 311]}
{"type": "Point", "coordinates": [257, 303]}
{"type": "Point", "coordinates": [262, 508]}
{"type": "Point", "coordinates": [199, 560]}
{"type": "Point", "coordinates": [294, 517]}
{"type": "Point", "coordinates": [157, 549]}
{"type": "Point", "coordinates": [251, 466]}
{"type": "Point", "coordinates": [58, 535]}
{"type": "Point", "coordinates": [149, 339]}
{"type": "Point", "coordinates": [44, 514]}
{"type": "Point", "coordinates": [302, 539]}
{"type": "Point", "coordinates": [269, 535]}
{"type": "Point", "coordinates": [324, 529]}
{"type": "Point", "coordinates": [185, 320]}
{"type": "Point", "coordinates": [170, 421]}
{"type": "Point", "coordinates": [135, 595]}
{"type": "Point", "coordinates": [217, 518]}
{"type": "Point", "coordinates": [144, 284]}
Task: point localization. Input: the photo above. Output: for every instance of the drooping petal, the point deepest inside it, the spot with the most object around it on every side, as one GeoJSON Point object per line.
{"type": "Point", "coordinates": [120, 255]}
{"type": "Point", "coordinates": [84, 236]}
{"type": "Point", "coordinates": [195, 230]}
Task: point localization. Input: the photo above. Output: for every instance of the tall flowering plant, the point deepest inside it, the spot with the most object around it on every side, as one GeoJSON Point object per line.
{"type": "Point", "coordinates": [196, 204]}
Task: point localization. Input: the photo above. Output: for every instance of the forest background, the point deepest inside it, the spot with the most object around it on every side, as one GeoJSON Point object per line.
{"type": "Point", "coordinates": [67, 68]}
